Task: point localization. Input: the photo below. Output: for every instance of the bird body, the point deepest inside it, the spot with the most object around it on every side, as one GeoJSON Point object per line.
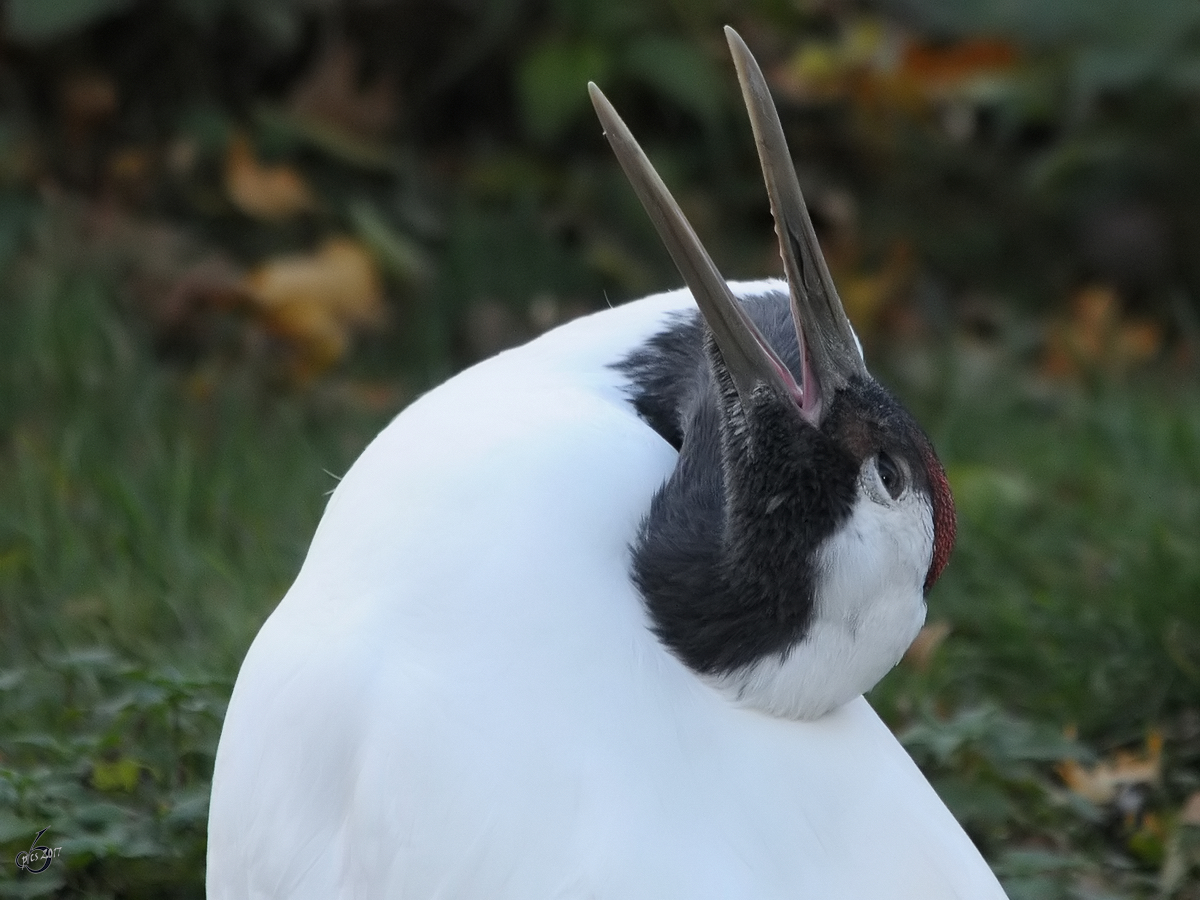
{"type": "Point", "coordinates": [461, 695]}
{"type": "Point", "coordinates": [593, 619]}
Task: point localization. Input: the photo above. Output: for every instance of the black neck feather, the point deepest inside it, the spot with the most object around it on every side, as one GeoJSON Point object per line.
{"type": "Point", "coordinates": [725, 556]}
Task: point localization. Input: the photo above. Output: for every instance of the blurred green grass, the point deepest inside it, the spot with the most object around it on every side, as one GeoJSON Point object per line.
{"type": "Point", "coordinates": [1079, 508]}
{"type": "Point", "coordinates": [151, 515]}
{"type": "Point", "coordinates": [157, 492]}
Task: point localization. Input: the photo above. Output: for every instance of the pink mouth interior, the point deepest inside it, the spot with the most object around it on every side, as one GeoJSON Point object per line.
{"type": "Point", "coordinates": [805, 394]}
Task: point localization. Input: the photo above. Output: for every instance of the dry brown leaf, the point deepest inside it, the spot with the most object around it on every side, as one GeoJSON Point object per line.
{"type": "Point", "coordinates": [866, 294]}
{"type": "Point", "coordinates": [929, 638]}
{"type": "Point", "coordinates": [332, 93]}
{"type": "Point", "coordinates": [1097, 337]}
{"type": "Point", "coordinates": [372, 396]}
{"type": "Point", "coordinates": [87, 99]}
{"type": "Point", "coordinates": [1191, 810]}
{"type": "Point", "coordinates": [131, 164]}
{"type": "Point", "coordinates": [262, 191]}
{"type": "Point", "coordinates": [175, 276]}
{"type": "Point", "coordinates": [822, 70]}
{"type": "Point", "coordinates": [874, 63]}
{"type": "Point", "coordinates": [1101, 782]}
{"type": "Point", "coordinates": [132, 172]}
{"type": "Point", "coordinates": [315, 301]}
{"type": "Point", "coordinates": [937, 69]}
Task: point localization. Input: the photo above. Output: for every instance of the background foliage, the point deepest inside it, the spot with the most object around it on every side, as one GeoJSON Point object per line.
{"type": "Point", "coordinates": [236, 237]}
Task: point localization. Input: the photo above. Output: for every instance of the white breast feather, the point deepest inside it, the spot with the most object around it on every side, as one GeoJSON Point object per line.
{"type": "Point", "coordinates": [870, 606]}
{"type": "Point", "coordinates": [460, 698]}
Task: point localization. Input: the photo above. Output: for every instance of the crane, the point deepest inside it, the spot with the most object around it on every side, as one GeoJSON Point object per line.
{"type": "Point", "coordinates": [593, 619]}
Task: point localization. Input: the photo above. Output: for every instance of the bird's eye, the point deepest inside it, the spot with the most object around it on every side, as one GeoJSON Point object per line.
{"type": "Point", "coordinates": [890, 474]}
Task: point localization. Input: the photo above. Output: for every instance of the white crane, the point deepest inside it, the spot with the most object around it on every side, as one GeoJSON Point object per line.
{"type": "Point", "coordinates": [593, 618]}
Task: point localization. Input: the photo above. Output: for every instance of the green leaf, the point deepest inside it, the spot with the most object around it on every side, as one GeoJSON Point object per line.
{"type": "Point", "coordinates": [1077, 22]}
{"type": "Point", "coordinates": [93, 816]}
{"type": "Point", "coordinates": [92, 659]}
{"type": "Point", "coordinates": [400, 257]}
{"type": "Point", "coordinates": [679, 72]}
{"type": "Point", "coordinates": [13, 827]}
{"type": "Point", "coordinates": [16, 215]}
{"type": "Point", "coordinates": [188, 807]}
{"type": "Point", "coordinates": [552, 85]}
{"type": "Point", "coordinates": [975, 803]}
{"type": "Point", "coordinates": [982, 492]}
{"type": "Point", "coordinates": [43, 885]}
{"type": "Point", "coordinates": [287, 129]}
{"type": "Point", "coordinates": [11, 678]}
{"type": "Point", "coordinates": [119, 775]}
{"type": "Point", "coordinates": [1021, 861]}
{"type": "Point", "coordinates": [44, 20]}
{"type": "Point", "coordinates": [607, 20]}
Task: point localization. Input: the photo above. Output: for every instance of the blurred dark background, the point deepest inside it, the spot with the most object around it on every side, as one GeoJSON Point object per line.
{"type": "Point", "coordinates": [237, 236]}
{"type": "Point", "coordinates": [966, 162]}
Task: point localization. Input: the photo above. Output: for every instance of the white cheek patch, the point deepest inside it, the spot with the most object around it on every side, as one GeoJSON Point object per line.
{"type": "Point", "coordinates": [870, 604]}
{"type": "Point", "coordinates": [878, 558]}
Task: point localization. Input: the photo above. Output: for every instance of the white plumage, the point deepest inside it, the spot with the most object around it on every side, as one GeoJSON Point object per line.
{"type": "Point", "coordinates": [460, 696]}
{"type": "Point", "coordinates": [589, 621]}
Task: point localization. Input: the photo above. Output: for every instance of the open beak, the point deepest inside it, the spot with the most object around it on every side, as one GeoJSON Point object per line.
{"type": "Point", "coordinates": [747, 355]}
{"type": "Point", "coordinates": [828, 350]}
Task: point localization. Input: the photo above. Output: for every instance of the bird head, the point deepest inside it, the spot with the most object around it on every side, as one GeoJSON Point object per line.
{"type": "Point", "coordinates": [834, 516]}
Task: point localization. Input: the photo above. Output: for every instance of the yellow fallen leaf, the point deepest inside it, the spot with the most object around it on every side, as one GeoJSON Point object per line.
{"type": "Point", "coordinates": [315, 301]}
{"type": "Point", "coordinates": [340, 277]}
{"type": "Point", "coordinates": [262, 191]}
{"type": "Point", "coordinates": [119, 775]}
{"type": "Point", "coordinates": [1101, 782]}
